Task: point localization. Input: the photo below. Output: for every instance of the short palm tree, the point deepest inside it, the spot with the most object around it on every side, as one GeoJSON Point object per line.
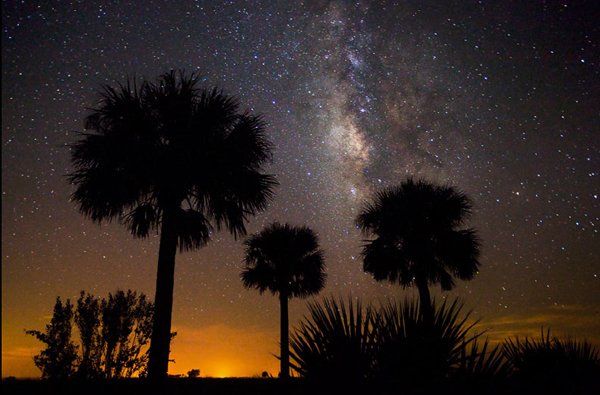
{"type": "Point", "coordinates": [287, 261]}
{"type": "Point", "coordinates": [175, 159]}
{"type": "Point", "coordinates": [417, 237]}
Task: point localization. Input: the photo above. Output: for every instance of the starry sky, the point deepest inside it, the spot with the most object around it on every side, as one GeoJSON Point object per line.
{"type": "Point", "coordinates": [499, 98]}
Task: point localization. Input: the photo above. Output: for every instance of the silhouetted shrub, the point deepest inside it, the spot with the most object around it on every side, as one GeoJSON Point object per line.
{"type": "Point", "coordinates": [335, 343]}
{"type": "Point", "coordinates": [415, 351]}
{"type": "Point", "coordinates": [481, 366]}
{"type": "Point", "coordinates": [114, 334]}
{"type": "Point", "coordinates": [58, 359]}
{"type": "Point", "coordinates": [393, 344]}
{"type": "Point", "coordinates": [553, 363]}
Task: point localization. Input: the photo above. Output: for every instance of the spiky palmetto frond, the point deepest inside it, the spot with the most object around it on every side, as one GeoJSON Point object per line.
{"type": "Point", "coordinates": [553, 360]}
{"type": "Point", "coordinates": [416, 349]}
{"type": "Point", "coordinates": [482, 363]}
{"type": "Point", "coordinates": [335, 341]}
{"type": "Point", "coordinates": [393, 344]}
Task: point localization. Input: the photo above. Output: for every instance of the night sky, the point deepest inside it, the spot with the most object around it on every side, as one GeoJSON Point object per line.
{"type": "Point", "coordinates": [501, 99]}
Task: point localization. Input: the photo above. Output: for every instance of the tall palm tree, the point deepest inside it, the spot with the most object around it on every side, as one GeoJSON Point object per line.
{"type": "Point", "coordinates": [287, 261]}
{"type": "Point", "coordinates": [171, 158]}
{"type": "Point", "coordinates": [418, 237]}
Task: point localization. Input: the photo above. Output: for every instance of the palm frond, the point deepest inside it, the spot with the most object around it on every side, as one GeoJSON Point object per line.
{"type": "Point", "coordinates": [193, 230]}
{"type": "Point", "coordinates": [334, 342]}
{"type": "Point", "coordinates": [553, 359]}
{"type": "Point", "coordinates": [142, 219]}
{"type": "Point", "coordinates": [260, 276]}
{"type": "Point", "coordinates": [477, 361]}
{"type": "Point", "coordinates": [393, 344]}
{"type": "Point", "coordinates": [415, 349]}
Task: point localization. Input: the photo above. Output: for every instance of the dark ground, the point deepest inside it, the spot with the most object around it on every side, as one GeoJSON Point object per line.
{"type": "Point", "coordinates": [250, 386]}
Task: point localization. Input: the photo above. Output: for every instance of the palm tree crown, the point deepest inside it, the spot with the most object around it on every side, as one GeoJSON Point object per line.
{"type": "Point", "coordinates": [175, 159]}
{"type": "Point", "coordinates": [287, 261]}
{"type": "Point", "coordinates": [418, 239]}
{"type": "Point", "coordinates": [284, 259]}
{"type": "Point", "coordinates": [172, 144]}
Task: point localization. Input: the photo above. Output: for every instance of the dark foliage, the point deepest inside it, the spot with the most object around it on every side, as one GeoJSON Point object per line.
{"type": "Point", "coordinates": [393, 344]}
{"type": "Point", "coordinates": [416, 351]}
{"type": "Point", "coordinates": [114, 334]}
{"type": "Point", "coordinates": [336, 342]}
{"type": "Point", "coordinates": [481, 366]}
{"type": "Point", "coordinates": [553, 363]}
{"type": "Point", "coordinates": [284, 259]}
{"type": "Point", "coordinates": [395, 349]}
{"type": "Point", "coordinates": [418, 237]}
{"type": "Point", "coordinates": [171, 143]}
{"type": "Point", "coordinates": [58, 359]}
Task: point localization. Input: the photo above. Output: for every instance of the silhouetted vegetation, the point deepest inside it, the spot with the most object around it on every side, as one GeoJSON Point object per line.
{"type": "Point", "coordinates": [392, 343]}
{"type": "Point", "coordinates": [113, 335]}
{"type": "Point", "coordinates": [170, 157]}
{"type": "Point", "coordinates": [337, 342]}
{"type": "Point", "coordinates": [287, 261]}
{"type": "Point", "coordinates": [415, 351]}
{"type": "Point", "coordinates": [552, 363]}
{"type": "Point", "coordinates": [182, 161]}
{"type": "Point", "coordinates": [393, 346]}
{"type": "Point", "coordinates": [481, 365]}
{"type": "Point", "coordinates": [57, 360]}
{"type": "Point", "coordinates": [418, 239]}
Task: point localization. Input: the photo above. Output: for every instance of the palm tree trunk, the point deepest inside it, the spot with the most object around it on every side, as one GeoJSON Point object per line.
{"type": "Point", "coordinates": [163, 301]}
{"type": "Point", "coordinates": [426, 309]}
{"type": "Point", "coordinates": [285, 336]}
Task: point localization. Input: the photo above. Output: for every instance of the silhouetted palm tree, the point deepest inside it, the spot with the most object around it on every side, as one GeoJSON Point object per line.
{"type": "Point", "coordinates": [417, 237]}
{"type": "Point", "coordinates": [175, 159]}
{"type": "Point", "coordinates": [287, 261]}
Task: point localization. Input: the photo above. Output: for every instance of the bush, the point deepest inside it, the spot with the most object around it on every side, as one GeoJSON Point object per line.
{"type": "Point", "coordinates": [415, 351]}
{"type": "Point", "coordinates": [553, 363]}
{"type": "Point", "coordinates": [393, 344]}
{"type": "Point", "coordinates": [335, 343]}
{"type": "Point", "coordinates": [57, 360]}
{"type": "Point", "coordinates": [113, 334]}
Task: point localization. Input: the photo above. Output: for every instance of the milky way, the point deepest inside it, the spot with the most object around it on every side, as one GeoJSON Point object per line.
{"type": "Point", "coordinates": [498, 98]}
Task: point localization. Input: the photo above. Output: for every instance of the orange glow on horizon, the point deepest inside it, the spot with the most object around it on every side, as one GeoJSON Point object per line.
{"type": "Point", "coordinates": [223, 351]}
{"type": "Point", "coordinates": [218, 351]}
